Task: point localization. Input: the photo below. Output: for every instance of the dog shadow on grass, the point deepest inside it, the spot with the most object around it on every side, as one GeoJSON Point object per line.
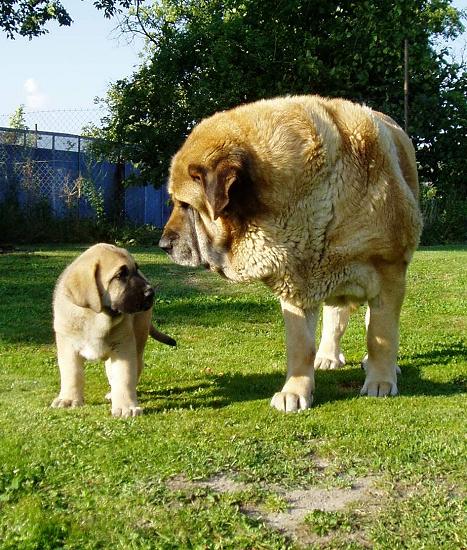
{"type": "Point", "coordinates": [221, 390]}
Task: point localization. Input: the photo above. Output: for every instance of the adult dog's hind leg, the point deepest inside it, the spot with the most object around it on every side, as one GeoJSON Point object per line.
{"type": "Point", "coordinates": [335, 320]}
{"type": "Point", "coordinates": [383, 333]}
{"type": "Point", "coordinates": [365, 359]}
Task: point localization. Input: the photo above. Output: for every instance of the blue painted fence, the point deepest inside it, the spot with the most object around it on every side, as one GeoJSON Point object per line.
{"type": "Point", "coordinates": [51, 166]}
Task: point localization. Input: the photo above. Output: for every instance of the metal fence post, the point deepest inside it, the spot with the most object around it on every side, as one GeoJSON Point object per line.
{"type": "Point", "coordinates": [118, 207]}
{"type": "Point", "coordinates": [79, 156]}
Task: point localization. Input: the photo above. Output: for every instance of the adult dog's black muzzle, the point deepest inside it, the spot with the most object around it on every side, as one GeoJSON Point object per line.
{"type": "Point", "coordinates": [167, 241]}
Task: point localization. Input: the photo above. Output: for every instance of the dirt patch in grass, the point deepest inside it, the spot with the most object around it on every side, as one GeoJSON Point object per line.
{"type": "Point", "coordinates": [298, 503]}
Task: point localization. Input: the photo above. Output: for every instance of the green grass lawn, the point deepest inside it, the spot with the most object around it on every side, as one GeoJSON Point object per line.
{"type": "Point", "coordinates": [80, 479]}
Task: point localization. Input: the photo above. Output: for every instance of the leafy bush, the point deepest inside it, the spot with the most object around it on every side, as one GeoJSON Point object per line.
{"type": "Point", "coordinates": [38, 224]}
{"type": "Point", "coordinates": [444, 216]}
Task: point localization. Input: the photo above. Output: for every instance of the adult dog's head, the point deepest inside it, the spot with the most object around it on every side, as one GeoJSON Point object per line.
{"type": "Point", "coordinates": [213, 187]}
{"type": "Point", "coordinates": [107, 278]}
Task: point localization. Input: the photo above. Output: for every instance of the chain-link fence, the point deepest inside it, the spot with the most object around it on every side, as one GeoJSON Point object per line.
{"type": "Point", "coordinates": [68, 121]}
{"type": "Point", "coordinates": [58, 172]}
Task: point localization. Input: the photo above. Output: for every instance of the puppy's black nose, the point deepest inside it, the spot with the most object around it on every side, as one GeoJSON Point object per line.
{"type": "Point", "coordinates": [149, 293]}
{"type": "Point", "coordinates": [167, 241]}
{"type": "Point", "coordinates": [148, 298]}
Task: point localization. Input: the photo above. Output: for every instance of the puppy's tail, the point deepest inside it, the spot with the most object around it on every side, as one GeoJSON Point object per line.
{"type": "Point", "coordinates": [161, 337]}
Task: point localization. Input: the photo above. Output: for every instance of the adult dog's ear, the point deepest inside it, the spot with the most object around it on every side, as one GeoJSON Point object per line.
{"type": "Point", "coordinates": [217, 182]}
{"type": "Point", "coordinates": [80, 285]}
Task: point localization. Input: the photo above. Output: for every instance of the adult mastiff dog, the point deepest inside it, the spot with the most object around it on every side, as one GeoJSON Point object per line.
{"type": "Point", "coordinates": [317, 198]}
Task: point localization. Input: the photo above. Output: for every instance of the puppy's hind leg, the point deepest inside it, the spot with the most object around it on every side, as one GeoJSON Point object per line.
{"type": "Point", "coordinates": [108, 372]}
{"type": "Point", "coordinates": [143, 328]}
{"type": "Point", "coordinates": [140, 367]}
{"type": "Point", "coordinates": [71, 376]}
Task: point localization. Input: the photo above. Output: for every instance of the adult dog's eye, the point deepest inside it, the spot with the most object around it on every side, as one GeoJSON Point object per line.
{"type": "Point", "coordinates": [122, 272]}
{"type": "Point", "coordinates": [184, 205]}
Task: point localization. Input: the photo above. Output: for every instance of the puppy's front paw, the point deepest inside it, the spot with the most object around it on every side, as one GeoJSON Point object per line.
{"type": "Point", "coordinates": [126, 410]}
{"type": "Point", "coordinates": [65, 403]}
{"type": "Point", "coordinates": [291, 402]}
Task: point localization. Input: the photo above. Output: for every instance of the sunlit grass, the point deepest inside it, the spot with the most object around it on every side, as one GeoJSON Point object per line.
{"type": "Point", "coordinates": [80, 479]}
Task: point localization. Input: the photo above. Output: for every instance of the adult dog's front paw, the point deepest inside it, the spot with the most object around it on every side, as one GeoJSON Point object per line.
{"type": "Point", "coordinates": [291, 402]}
{"type": "Point", "coordinates": [122, 410]}
{"type": "Point", "coordinates": [66, 403]}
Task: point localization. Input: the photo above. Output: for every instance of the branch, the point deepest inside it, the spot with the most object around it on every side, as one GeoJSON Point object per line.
{"type": "Point", "coordinates": [143, 31]}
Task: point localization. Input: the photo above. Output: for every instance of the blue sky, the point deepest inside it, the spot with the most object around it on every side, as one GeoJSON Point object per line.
{"type": "Point", "coordinates": [66, 68]}
{"type": "Point", "coordinates": [70, 66]}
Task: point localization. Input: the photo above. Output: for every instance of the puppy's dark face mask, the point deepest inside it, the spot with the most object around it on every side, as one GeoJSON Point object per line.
{"type": "Point", "coordinates": [128, 291]}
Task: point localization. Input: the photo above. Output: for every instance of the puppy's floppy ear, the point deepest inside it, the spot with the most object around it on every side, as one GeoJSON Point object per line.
{"type": "Point", "coordinates": [217, 182]}
{"type": "Point", "coordinates": [80, 285]}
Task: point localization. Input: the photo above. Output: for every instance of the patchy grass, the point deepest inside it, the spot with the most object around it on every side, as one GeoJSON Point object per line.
{"type": "Point", "coordinates": [80, 479]}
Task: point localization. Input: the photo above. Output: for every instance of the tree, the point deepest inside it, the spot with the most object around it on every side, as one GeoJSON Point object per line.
{"type": "Point", "coordinates": [439, 133]}
{"type": "Point", "coordinates": [208, 55]}
{"type": "Point", "coordinates": [17, 119]}
{"type": "Point", "coordinates": [28, 18]}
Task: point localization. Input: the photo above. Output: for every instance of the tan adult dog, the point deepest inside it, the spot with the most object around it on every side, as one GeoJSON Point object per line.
{"type": "Point", "coordinates": [317, 198]}
{"type": "Point", "coordinates": [102, 310]}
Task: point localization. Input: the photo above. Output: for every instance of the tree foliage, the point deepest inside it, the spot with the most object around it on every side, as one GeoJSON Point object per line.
{"type": "Point", "coordinates": [29, 17]}
{"type": "Point", "coordinates": [208, 55]}
{"type": "Point", "coordinates": [17, 120]}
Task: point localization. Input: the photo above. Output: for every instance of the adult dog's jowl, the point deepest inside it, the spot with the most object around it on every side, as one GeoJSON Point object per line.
{"type": "Point", "coordinates": [317, 198]}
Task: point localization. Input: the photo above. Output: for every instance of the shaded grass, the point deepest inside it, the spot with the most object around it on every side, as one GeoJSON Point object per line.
{"type": "Point", "coordinates": [79, 479]}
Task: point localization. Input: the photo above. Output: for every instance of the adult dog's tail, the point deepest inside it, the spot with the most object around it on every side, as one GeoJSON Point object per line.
{"type": "Point", "coordinates": [161, 337]}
